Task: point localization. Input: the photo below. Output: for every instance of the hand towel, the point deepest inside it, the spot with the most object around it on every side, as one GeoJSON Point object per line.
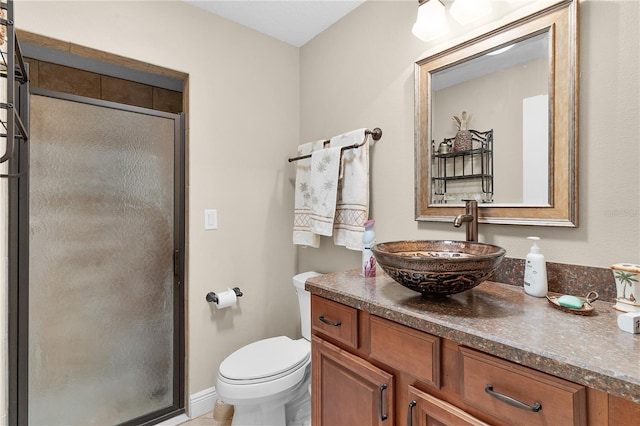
{"type": "Point", "coordinates": [325, 167]}
{"type": "Point", "coordinates": [352, 208]}
{"type": "Point", "coordinates": [302, 234]}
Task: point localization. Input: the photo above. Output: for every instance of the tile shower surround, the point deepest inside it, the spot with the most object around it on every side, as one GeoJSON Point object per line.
{"type": "Point", "coordinates": [563, 278]}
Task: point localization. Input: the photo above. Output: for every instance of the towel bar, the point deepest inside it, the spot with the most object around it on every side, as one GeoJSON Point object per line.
{"type": "Point", "coordinates": [376, 134]}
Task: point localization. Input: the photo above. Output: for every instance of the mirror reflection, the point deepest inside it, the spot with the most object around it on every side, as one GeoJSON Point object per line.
{"type": "Point", "coordinates": [490, 126]}
{"type": "Point", "coordinates": [496, 121]}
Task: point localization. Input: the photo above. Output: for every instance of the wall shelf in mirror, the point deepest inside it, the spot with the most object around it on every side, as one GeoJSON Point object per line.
{"type": "Point", "coordinates": [521, 81]}
{"type": "Point", "coordinates": [460, 175]}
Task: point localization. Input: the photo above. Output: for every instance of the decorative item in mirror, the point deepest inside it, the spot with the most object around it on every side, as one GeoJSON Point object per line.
{"type": "Point", "coordinates": [463, 138]}
{"type": "Point", "coordinates": [520, 80]}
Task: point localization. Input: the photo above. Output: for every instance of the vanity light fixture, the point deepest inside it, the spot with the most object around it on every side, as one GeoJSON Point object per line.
{"type": "Point", "coordinates": [468, 11]}
{"type": "Point", "coordinates": [431, 22]}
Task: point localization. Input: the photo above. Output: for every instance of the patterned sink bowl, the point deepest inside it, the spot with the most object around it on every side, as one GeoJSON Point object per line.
{"type": "Point", "coordinates": [438, 268]}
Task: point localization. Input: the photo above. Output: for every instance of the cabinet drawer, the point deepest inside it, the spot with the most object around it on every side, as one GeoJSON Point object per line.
{"type": "Point", "coordinates": [335, 320]}
{"type": "Point", "coordinates": [510, 392]}
{"type": "Point", "coordinates": [406, 349]}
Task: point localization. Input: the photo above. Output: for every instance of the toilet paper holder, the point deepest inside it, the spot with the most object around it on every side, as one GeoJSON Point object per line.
{"type": "Point", "coordinates": [212, 297]}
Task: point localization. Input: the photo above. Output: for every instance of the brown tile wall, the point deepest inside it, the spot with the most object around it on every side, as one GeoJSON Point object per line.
{"type": "Point", "coordinates": [34, 72]}
{"type": "Point", "coordinates": [563, 278]}
{"type": "Point", "coordinates": [68, 80]}
{"type": "Point", "coordinates": [167, 100]}
{"type": "Point", "coordinates": [126, 92]}
{"type": "Point", "coordinates": [59, 78]}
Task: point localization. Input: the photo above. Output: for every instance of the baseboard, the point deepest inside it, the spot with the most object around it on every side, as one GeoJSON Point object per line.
{"type": "Point", "coordinates": [174, 421]}
{"type": "Point", "coordinates": [202, 402]}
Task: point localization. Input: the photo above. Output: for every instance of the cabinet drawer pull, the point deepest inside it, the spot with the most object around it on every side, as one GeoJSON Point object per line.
{"type": "Point", "coordinates": [383, 416]}
{"type": "Point", "coordinates": [512, 401]}
{"type": "Point", "coordinates": [329, 322]}
{"type": "Point", "coordinates": [410, 413]}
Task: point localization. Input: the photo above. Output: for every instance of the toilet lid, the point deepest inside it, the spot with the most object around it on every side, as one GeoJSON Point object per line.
{"type": "Point", "coordinates": [264, 359]}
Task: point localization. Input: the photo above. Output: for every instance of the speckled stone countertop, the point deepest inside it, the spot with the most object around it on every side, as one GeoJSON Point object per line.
{"type": "Point", "coordinates": [502, 320]}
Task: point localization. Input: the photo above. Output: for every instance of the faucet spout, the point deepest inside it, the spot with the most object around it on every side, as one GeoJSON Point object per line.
{"type": "Point", "coordinates": [462, 218]}
{"type": "Point", "coordinates": [470, 217]}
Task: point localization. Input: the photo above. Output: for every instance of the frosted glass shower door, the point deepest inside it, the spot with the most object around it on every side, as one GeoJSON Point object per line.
{"type": "Point", "coordinates": [102, 293]}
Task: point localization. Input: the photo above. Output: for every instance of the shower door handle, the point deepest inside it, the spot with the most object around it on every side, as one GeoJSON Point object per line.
{"type": "Point", "coordinates": [176, 266]}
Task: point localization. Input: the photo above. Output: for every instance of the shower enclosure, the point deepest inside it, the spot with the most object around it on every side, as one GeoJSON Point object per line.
{"type": "Point", "coordinates": [104, 268]}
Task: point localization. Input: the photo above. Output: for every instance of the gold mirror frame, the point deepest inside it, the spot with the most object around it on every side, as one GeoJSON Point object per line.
{"type": "Point", "coordinates": [561, 22]}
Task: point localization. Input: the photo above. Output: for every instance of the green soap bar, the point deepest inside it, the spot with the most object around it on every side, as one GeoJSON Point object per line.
{"type": "Point", "coordinates": [570, 302]}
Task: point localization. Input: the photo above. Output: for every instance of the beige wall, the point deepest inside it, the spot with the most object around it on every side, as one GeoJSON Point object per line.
{"type": "Point", "coordinates": [360, 73]}
{"type": "Point", "coordinates": [252, 99]}
{"type": "Point", "coordinates": [243, 123]}
{"type": "Point", "coordinates": [511, 86]}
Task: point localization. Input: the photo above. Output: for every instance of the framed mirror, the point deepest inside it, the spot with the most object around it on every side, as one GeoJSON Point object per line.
{"type": "Point", "coordinates": [496, 121]}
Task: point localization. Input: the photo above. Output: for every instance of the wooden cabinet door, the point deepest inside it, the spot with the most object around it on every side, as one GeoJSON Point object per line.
{"type": "Point", "coordinates": [427, 410]}
{"type": "Point", "coordinates": [347, 390]}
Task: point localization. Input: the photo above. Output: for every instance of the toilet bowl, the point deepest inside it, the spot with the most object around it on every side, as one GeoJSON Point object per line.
{"type": "Point", "coordinates": [268, 381]}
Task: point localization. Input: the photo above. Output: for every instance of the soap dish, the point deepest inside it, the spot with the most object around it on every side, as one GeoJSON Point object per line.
{"type": "Point", "coordinates": [586, 308]}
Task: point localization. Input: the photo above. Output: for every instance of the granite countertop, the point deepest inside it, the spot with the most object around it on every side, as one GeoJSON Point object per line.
{"type": "Point", "coordinates": [502, 320]}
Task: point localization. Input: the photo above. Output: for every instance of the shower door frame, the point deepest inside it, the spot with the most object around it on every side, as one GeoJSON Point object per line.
{"type": "Point", "coordinates": [19, 269]}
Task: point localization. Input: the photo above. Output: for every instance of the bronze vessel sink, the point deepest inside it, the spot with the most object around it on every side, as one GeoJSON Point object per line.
{"type": "Point", "coordinates": [438, 267]}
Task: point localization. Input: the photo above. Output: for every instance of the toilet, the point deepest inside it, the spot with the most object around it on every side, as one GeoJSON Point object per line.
{"type": "Point", "coordinates": [268, 381]}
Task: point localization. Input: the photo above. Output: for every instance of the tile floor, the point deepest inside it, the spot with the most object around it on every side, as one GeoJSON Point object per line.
{"type": "Point", "coordinates": [207, 420]}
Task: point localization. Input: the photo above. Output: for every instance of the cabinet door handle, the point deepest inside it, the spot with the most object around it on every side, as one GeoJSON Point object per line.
{"type": "Point", "coordinates": [329, 322]}
{"type": "Point", "coordinates": [383, 416]}
{"type": "Point", "coordinates": [512, 401]}
{"type": "Point", "coordinates": [410, 413]}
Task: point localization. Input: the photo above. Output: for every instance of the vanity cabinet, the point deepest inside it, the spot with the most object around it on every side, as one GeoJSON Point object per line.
{"type": "Point", "coordinates": [425, 409]}
{"type": "Point", "coordinates": [517, 394]}
{"type": "Point", "coordinates": [348, 390]}
{"type": "Point", "coordinates": [405, 349]}
{"type": "Point", "coordinates": [378, 372]}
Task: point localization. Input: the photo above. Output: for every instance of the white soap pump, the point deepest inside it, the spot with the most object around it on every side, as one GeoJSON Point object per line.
{"type": "Point", "coordinates": [535, 271]}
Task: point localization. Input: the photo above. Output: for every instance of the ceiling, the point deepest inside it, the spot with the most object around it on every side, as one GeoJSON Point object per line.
{"type": "Point", "coordinates": [293, 21]}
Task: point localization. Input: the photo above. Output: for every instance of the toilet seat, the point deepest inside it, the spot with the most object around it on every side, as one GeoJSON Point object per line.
{"type": "Point", "coordinates": [265, 360]}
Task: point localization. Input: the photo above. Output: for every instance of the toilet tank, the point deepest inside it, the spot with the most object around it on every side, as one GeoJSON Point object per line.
{"type": "Point", "coordinates": [304, 301]}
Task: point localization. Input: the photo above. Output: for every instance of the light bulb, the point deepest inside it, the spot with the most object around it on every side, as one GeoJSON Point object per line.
{"type": "Point", "coordinates": [431, 22]}
{"type": "Point", "coordinates": [468, 11]}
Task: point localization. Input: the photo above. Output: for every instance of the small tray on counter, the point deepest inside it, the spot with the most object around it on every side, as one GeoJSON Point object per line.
{"type": "Point", "coordinates": [585, 310]}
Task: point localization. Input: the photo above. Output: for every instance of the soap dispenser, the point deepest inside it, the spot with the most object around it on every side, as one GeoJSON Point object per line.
{"type": "Point", "coordinates": [535, 271]}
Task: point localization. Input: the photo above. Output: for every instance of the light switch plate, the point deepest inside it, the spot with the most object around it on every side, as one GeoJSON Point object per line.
{"type": "Point", "coordinates": [211, 219]}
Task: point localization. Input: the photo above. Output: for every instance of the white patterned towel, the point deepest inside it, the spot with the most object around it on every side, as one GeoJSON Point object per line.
{"type": "Point", "coordinates": [352, 208]}
{"type": "Point", "coordinates": [302, 234]}
{"type": "Point", "coordinates": [325, 168]}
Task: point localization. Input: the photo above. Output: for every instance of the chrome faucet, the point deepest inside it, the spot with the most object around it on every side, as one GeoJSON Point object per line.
{"type": "Point", "coordinates": [470, 217]}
